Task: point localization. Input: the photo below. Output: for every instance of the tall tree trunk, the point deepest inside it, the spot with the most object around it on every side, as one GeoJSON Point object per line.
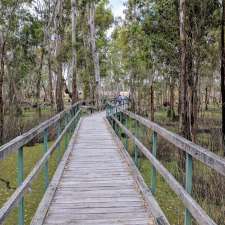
{"type": "Point", "coordinates": [47, 43]}
{"type": "Point", "coordinates": [132, 92]}
{"type": "Point", "coordinates": [172, 111]}
{"type": "Point", "coordinates": [2, 73]}
{"type": "Point", "coordinates": [206, 99]}
{"type": "Point", "coordinates": [223, 73]}
{"type": "Point", "coordinates": [50, 77]}
{"type": "Point", "coordinates": [86, 78]}
{"type": "Point", "coordinates": [59, 82]}
{"type": "Point", "coordinates": [185, 59]}
{"type": "Point", "coordinates": [184, 118]}
{"type": "Point", "coordinates": [95, 54]}
{"type": "Point", "coordinates": [179, 100]}
{"type": "Point", "coordinates": [74, 58]}
{"type": "Point", "coordinates": [38, 85]}
{"type": "Point", "coordinates": [152, 110]}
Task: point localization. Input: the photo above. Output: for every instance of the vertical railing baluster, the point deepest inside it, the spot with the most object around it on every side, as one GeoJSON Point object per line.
{"type": "Point", "coordinates": [70, 129]}
{"type": "Point", "coordinates": [154, 152]}
{"type": "Point", "coordinates": [75, 112]}
{"type": "Point", "coordinates": [20, 177]}
{"type": "Point", "coordinates": [46, 178]}
{"type": "Point", "coordinates": [126, 121]}
{"type": "Point", "coordinates": [107, 112]}
{"type": "Point", "coordinates": [59, 144]}
{"type": "Point", "coordinates": [121, 121]}
{"type": "Point", "coordinates": [135, 146]}
{"type": "Point", "coordinates": [66, 134]}
{"type": "Point", "coordinates": [114, 121]}
{"type": "Point", "coordinates": [188, 185]}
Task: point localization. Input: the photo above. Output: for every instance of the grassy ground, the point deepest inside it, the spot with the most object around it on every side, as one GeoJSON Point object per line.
{"type": "Point", "coordinates": [167, 199]}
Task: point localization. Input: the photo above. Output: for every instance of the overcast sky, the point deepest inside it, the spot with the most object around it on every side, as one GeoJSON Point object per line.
{"type": "Point", "coordinates": [117, 7]}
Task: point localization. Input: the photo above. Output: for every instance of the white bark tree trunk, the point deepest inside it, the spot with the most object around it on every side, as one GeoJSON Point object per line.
{"type": "Point", "coordinates": [74, 51]}
{"type": "Point", "coordinates": [95, 54]}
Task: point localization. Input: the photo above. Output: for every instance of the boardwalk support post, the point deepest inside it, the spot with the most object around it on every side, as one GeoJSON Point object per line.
{"type": "Point", "coordinates": [154, 153]}
{"type": "Point", "coordinates": [20, 177]}
{"type": "Point", "coordinates": [46, 178]}
{"type": "Point", "coordinates": [188, 185]}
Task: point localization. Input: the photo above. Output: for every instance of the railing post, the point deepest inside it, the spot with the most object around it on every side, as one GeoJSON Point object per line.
{"type": "Point", "coordinates": [135, 146]}
{"type": "Point", "coordinates": [188, 186]}
{"type": "Point", "coordinates": [107, 111]}
{"type": "Point", "coordinates": [66, 134]}
{"type": "Point", "coordinates": [70, 129]}
{"type": "Point", "coordinates": [46, 179]}
{"type": "Point", "coordinates": [20, 177]}
{"type": "Point", "coordinates": [126, 121]}
{"type": "Point", "coordinates": [76, 119]}
{"type": "Point", "coordinates": [116, 130]}
{"type": "Point", "coordinates": [121, 121]}
{"type": "Point", "coordinates": [113, 125]}
{"type": "Point", "coordinates": [154, 152]}
{"type": "Point", "coordinates": [58, 146]}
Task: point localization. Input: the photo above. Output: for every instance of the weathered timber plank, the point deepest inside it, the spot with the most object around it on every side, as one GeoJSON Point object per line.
{"type": "Point", "coordinates": [137, 221]}
{"type": "Point", "coordinates": [66, 217]}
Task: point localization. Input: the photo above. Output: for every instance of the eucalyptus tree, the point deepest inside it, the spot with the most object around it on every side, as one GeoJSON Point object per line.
{"type": "Point", "coordinates": [59, 34]}
{"type": "Point", "coordinates": [74, 51]}
{"type": "Point", "coordinates": [95, 55]}
{"type": "Point", "coordinates": [89, 38]}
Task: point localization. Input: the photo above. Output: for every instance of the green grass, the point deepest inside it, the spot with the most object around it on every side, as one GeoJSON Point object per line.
{"type": "Point", "coordinates": [167, 199]}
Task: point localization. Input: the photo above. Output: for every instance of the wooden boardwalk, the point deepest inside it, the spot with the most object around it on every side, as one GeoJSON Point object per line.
{"type": "Point", "coordinates": [96, 186]}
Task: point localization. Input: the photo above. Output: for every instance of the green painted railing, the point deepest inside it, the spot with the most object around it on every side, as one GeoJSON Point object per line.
{"type": "Point", "coordinates": [116, 115]}
{"type": "Point", "coordinates": [65, 123]}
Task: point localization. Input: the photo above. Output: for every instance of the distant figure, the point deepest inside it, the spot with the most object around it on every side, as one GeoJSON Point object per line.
{"type": "Point", "coordinates": [119, 100]}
